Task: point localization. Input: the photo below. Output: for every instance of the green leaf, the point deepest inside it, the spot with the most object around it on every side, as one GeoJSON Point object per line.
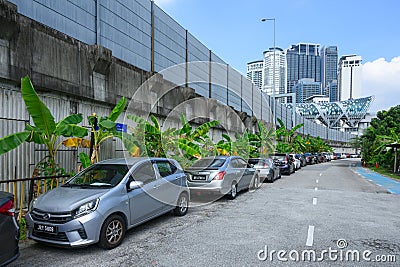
{"type": "Point", "coordinates": [118, 109]}
{"type": "Point", "coordinates": [107, 124]}
{"type": "Point", "coordinates": [41, 115]}
{"type": "Point", "coordinates": [155, 121]}
{"type": "Point", "coordinates": [69, 130]}
{"type": "Point", "coordinates": [35, 135]}
{"type": "Point", "coordinates": [71, 119]}
{"type": "Point", "coordinates": [85, 160]}
{"type": "Point", "coordinates": [12, 141]}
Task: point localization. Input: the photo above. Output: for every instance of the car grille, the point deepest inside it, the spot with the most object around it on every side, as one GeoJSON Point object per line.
{"type": "Point", "coordinates": [55, 237]}
{"type": "Point", "coordinates": [51, 217]}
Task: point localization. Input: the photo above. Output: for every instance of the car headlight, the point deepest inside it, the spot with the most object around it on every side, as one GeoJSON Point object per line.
{"type": "Point", "coordinates": [86, 208]}
{"type": "Point", "coordinates": [32, 204]}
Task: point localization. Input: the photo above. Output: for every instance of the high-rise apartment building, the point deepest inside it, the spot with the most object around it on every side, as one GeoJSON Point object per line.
{"type": "Point", "coordinates": [350, 77]}
{"type": "Point", "coordinates": [274, 80]}
{"type": "Point", "coordinates": [303, 61]}
{"type": "Point", "coordinates": [255, 73]}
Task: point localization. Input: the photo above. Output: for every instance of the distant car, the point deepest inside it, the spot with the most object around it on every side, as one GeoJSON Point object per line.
{"type": "Point", "coordinates": [296, 162]}
{"type": "Point", "coordinates": [9, 230]}
{"type": "Point", "coordinates": [222, 175]}
{"type": "Point", "coordinates": [310, 158]}
{"type": "Point", "coordinates": [302, 158]}
{"type": "Point", "coordinates": [268, 170]}
{"type": "Point", "coordinates": [337, 155]}
{"type": "Point", "coordinates": [284, 161]}
{"type": "Point", "coordinates": [100, 203]}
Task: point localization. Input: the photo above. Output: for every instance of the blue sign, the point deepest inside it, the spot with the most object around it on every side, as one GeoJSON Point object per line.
{"type": "Point", "coordinates": [120, 127]}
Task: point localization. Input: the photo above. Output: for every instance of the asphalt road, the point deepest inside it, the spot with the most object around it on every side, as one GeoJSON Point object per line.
{"type": "Point", "coordinates": [326, 209]}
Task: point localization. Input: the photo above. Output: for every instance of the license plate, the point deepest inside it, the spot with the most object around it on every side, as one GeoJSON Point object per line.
{"type": "Point", "coordinates": [199, 177]}
{"type": "Point", "coordinates": [46, 228]}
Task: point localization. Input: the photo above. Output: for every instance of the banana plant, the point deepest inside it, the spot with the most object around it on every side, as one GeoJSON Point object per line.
{"type": "Point", "coordinates": [103, 128]}
{"type": "Point", "coordinates": [44, 130]}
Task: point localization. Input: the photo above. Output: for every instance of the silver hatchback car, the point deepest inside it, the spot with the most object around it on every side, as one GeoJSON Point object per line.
{"type": "Point", "coordinates": [100, 203]}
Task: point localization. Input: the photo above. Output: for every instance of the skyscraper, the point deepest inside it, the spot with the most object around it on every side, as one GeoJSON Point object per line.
{"type": "Point", "coordinates": [277, 86]}
{"type": "Point", "coordinates": [329, 62]}
{"type": "Point", "coordinates": [306, 88]}
{"type": "Point", "coordinates": [303, 61]}
{"type": "Point", "coordinates": [255, 73]}
{"type": "Point", "coordinates": [350, 77]}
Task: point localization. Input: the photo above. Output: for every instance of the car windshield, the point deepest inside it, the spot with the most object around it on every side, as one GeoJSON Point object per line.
{"type": "Point", "coordinates": [99, 175]}
{"type": "Point", "coordinates": [208, 163]}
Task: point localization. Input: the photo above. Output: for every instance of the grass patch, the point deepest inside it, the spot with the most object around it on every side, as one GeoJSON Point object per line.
{"type": "Point", "coordinates": [385, 172]}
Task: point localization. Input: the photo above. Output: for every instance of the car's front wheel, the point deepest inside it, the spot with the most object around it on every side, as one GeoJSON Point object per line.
{"type": "Point", "coordinates": [112, 232]}
{"type": "Point", "coordinates": [182, 205]}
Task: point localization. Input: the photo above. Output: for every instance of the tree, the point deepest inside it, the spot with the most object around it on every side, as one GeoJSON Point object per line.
{"type": "Point", "coordinates": [287, 139]}
{"type": "Point", "coordinates": [44, 130]}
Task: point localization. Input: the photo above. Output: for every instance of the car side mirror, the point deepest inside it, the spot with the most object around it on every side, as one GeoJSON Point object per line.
{"type": "Point", "coordinates": [135, 185]}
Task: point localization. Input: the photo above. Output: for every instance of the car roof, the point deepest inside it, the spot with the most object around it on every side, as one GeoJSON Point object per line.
{"type": "Point", "coordinates": [129, 160]}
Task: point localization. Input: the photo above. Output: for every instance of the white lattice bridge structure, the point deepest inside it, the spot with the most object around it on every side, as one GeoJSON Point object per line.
{"type": "Point", "coordinates": [333, 114]}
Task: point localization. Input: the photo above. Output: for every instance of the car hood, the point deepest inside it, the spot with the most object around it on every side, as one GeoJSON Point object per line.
{"type": "Point", "coordinates": [65, 199]}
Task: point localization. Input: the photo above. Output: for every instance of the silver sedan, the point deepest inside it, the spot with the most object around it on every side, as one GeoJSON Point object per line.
{"type": "Point", "coordinates": [223, 175]}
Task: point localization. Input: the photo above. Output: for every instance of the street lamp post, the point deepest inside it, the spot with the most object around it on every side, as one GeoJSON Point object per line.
{"type": "Point", "coordinates": [273, 74]}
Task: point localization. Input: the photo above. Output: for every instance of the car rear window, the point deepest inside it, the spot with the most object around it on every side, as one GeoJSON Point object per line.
{"type": "Point", "coordinates": [208, 163]}
{"type": "Point", "coordinates": [279, 157]}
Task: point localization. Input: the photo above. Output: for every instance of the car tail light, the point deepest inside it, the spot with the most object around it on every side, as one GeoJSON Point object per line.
{"type": "Point", "coordinates": [8, 208]}
{"type": "Point", "coordinates": [219, 176]}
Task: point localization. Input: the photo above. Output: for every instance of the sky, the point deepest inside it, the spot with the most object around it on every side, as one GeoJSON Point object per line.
{"type": "Point", "coordinates": [233, 30]}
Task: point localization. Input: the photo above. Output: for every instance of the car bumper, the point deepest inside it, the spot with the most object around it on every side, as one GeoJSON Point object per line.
{"type": "Point", "coordinates": [78, 232]}
{"type": "Point", "coordinates": [215, 187]}
{"type": "Point", "coordinates": [285, 169]}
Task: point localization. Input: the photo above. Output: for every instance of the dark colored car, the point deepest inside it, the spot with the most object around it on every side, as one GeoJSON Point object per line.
{"type": "Point", "coordinates": [268, 170]}
{"type": "Point", "coordinates": [9, 229]}
{"type": "Point", "coordinates": [222, 175]}
{"type": "Point", "coordinates": [310, 158]}
{"type": "Point", "coordinates": [284, 162]}
{"type": "Point", "coordinates": [302, 158]}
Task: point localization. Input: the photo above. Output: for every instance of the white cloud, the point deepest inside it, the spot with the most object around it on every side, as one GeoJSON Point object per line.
{"type": "Point", "coordinates": [163, 3]}
{"type": "Point", "coordinates": [382, 79]}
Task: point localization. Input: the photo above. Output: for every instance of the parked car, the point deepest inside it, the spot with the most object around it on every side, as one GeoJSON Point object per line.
{"type": "Point", "coordinates": [268, 170]}
{"type": "Point", "coordinates": [9, 229]}
{"type": "Point", "coordinates": [337, 155]}
{"type": "Point", "coordinates": [222, 175]}
{"type": "Point", "coordinates": [310, 158]}
{"type": "Point", "coordinates": [100, 203]}
{"type": "Point", "coordinates": [296, 162]}
{"type": "Point", "coordinates": [302, 158]}
{"type": "Point", "coordinates": [285, 162]}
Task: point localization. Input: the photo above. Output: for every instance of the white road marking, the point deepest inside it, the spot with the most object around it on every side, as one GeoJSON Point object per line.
{"type": "Point", "coordinates": [314, 201]}
{"type": "Point", "coordinates": [310, 236]}
{"type": "Point", "coordinates": [316, 189]}
{"type": "Point", "coordinates": [317, 181]}
{"type": "Point", "coordinates": [320, 174]}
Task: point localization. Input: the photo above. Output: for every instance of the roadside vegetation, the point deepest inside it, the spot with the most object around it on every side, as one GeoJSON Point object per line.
{"type": "Point", "coordinates": [185, 144]}
{"type": "Point", "coordinates": [378, 140]}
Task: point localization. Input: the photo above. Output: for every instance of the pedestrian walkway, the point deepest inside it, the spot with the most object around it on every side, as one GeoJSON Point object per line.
{"type": "Point", "coordinates": [389, 184]}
